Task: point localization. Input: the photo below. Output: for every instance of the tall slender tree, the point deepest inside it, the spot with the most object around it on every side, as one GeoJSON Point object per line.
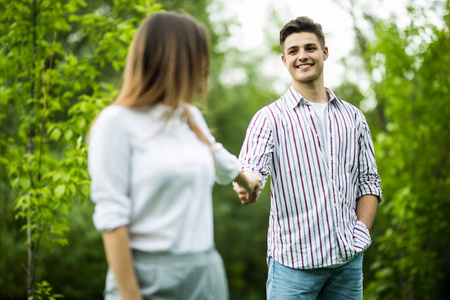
{"type": "Point", "coordinates": [53, 58]}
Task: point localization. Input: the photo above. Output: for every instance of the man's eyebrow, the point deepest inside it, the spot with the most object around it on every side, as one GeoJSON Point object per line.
{"type": "Point", "coordinates": [292, 48]}
{"type": "Point", "coordinates": [295, 47]}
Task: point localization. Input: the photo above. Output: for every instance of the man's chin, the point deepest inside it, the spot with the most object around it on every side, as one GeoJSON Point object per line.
{"type": "Point", "coordinates": [306, 79]}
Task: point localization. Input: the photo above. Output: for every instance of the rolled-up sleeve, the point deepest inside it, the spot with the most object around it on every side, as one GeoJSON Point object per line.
{"type": "Point", "coordinates": [369, 179]}
{"type": "Point", "coordinates": [109, 169]}
{"type": "Point", "coordinates": [257, 149]}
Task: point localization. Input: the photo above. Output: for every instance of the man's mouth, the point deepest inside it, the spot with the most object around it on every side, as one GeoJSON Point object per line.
{"type": "Point", "coordinates": [304, 66]}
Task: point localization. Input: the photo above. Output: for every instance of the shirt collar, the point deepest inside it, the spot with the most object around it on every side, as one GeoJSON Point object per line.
{"type": "Point", "coordinates": [294, 98]}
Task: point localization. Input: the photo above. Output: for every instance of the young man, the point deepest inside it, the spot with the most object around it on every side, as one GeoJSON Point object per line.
{"type": "Point", "coordinates": [324, 181]}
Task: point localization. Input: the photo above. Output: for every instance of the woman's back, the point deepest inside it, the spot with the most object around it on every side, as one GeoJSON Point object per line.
{"type": "Point", "coordinates": [165, 170]}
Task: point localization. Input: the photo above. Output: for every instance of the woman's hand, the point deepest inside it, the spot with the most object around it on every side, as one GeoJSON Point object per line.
{"type": "Point", "coordinates": [247, 186]}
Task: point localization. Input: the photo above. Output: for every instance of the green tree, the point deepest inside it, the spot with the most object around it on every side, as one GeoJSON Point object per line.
{"type": "Point", "coordinates": [54, 55]}
{"type": "Point", "coordinates": [408, 71]}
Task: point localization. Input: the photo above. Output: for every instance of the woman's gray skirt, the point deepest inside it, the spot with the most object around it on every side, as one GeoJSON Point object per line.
{"type": "Point", "coordinates": [198, 276]}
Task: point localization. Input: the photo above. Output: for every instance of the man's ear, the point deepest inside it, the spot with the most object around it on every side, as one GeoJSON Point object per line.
{"type": "Point", "coordinates": [283, 59]}
{"type": "Point", "coordinates": [325, 53]}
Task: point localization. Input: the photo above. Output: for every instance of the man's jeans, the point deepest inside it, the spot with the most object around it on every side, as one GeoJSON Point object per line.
{"type": "Point", "coordinates": [342, 282]}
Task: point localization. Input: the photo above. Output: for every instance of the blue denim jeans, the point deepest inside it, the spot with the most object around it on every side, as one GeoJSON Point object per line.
{"type": "Point", "coordinates": [342, 282]}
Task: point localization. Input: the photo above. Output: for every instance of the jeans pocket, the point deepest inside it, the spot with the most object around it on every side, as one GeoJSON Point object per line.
{"type": "Point", "coordinates": [361, 237]}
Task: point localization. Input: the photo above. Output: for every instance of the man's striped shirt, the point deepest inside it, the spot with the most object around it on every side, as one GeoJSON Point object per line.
{"type": "Point", "coordinates": [314, 187]}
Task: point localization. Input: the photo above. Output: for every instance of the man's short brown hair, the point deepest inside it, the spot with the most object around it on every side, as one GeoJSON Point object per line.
{"type": "Point", "coordinates": [302, 24]}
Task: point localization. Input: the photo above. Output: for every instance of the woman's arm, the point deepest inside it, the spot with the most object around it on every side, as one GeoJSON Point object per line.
{"type": "Point", "coordinates": [118, 253]}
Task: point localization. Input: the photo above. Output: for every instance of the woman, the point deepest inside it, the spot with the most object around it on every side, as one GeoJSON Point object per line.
{"type": "Point", "coordinates": [153, 164]}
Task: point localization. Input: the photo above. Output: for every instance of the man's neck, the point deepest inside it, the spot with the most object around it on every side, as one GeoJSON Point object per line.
{"type": "Point", "coordinates": [313, 92]}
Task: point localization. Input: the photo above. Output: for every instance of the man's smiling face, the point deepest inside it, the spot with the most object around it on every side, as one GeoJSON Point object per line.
{"type": "Point", "coordinates": [303, 57]}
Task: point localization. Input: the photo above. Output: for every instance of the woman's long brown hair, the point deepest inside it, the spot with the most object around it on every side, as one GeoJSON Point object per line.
{"type": "Point", "coordinates": [168, 63]}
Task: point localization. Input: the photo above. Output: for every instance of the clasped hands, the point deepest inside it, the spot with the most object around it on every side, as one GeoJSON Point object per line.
{"type": "Point", "coordinates": [247, 186]}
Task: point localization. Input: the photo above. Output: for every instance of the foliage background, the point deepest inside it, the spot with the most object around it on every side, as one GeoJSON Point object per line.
{"type": "Point", "coordinates": [61, 61]}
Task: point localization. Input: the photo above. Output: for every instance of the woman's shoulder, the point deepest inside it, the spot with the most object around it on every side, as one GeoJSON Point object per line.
{"type": "Point", "coordinates": [113, 111]}
{"type": "Point", "coordinates": [193, 109]}
{"type": "Point", "coordinates": [118, 114]}
{"type": "Point", "coordinates": [195, 112]}
{"type": "Point", "coordinates": [112, 118]}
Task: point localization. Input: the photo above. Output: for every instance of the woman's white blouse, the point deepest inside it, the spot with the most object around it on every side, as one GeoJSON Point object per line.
{"type": "Point", "coordinates": [150, 172]}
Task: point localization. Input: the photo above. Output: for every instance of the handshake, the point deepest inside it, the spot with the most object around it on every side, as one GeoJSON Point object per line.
{"type": "Point", "coordinates": [247, 185]}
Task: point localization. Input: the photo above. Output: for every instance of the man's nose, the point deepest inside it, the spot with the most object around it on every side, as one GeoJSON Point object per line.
{"type": "Point", "coordinates": [302, 54]}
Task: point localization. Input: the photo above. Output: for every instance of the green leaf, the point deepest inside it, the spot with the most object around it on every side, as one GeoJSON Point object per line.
{"type": "Point", "coordinates": [55, 134]}
{"type": "Point", "coordinates": [81, 123]}
{"type": "Point", "coordinates": [60, 190]}
{"type": "Point", "coordinates": [68, 135]}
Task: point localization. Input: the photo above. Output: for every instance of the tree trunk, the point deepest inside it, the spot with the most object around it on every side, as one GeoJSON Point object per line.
{"type": "Point", "coordinates": [31, 268]}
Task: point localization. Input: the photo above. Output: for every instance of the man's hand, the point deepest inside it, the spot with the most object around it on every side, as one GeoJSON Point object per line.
{"type": "Point", "coordinates": [247, 186]}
